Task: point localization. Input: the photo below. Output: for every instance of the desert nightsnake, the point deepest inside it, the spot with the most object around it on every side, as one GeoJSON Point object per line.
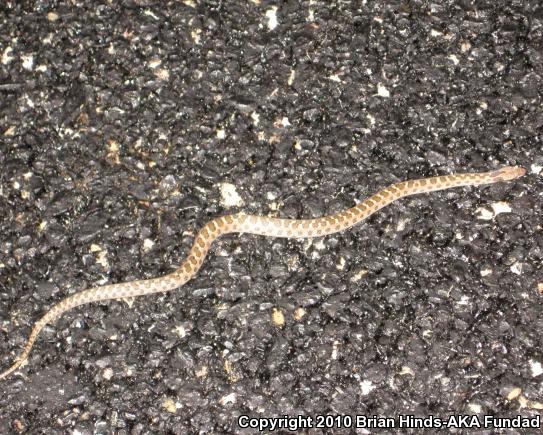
{"type": "Point", "coordinates": [272, 227]}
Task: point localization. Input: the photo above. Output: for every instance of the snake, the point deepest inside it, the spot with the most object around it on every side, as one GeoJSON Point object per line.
{"type": "Point", "coordinates": [263, 226]}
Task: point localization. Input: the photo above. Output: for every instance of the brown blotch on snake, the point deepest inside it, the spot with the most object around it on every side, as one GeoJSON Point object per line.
{"type": "Point", "coordinates": [261, 226]}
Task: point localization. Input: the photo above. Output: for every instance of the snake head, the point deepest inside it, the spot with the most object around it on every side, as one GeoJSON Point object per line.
{"type": "Point", "coordinates": [509, 173]}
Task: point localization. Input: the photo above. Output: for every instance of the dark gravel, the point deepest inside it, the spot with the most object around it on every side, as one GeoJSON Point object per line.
{"type": "Point", "coordinates": [123, 126]}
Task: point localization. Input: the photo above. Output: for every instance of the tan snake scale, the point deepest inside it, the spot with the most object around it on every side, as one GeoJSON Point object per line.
{"type": "Point", "coordinates": [264, 226]}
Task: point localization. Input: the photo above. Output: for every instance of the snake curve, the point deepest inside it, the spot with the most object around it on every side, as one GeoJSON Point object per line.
{"type": "Point", "coordinates": [265, 226]}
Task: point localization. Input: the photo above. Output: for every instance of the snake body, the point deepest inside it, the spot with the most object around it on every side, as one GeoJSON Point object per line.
{"type": "Point", "coordinates": [264, 226]}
